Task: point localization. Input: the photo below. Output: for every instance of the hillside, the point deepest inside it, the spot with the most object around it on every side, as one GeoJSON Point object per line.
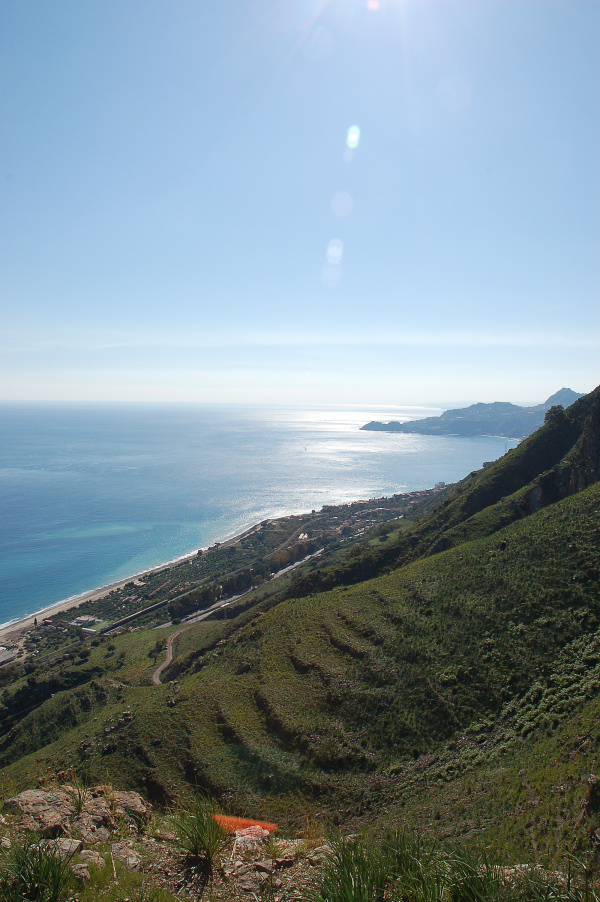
{"type": "Point", "coordinates": [442, 671]}
{"type": "Point", "coordinates": [498, 418]}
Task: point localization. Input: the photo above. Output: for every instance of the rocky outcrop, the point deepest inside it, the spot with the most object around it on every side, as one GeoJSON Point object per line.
{"type": "Point", "coordinates": [41, 811]}
{"type": "Point", "coordinates": [90, 814]}
{"type": "Point", "coordinates": [586, 457]}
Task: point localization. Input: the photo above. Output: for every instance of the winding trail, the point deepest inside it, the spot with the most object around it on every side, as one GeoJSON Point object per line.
{"type": "Point", "coordinates": [158, 672]}
{"type": "Point", "coordinates": [202, 616]}
{"type": "Point", "coordinates": [215, 607]}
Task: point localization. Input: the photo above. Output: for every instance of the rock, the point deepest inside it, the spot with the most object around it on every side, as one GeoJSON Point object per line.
{"type": "Point", "coordinates": [126, 856]}
{"type": "Point", "coordinates": [95, 834]}
{"type": "Point", "coordinates": [250, 838]}
{"type": "Point", "coordinates": [284, 863]}
{"type": "Point", "coordinates": [96, 820]}
{"type": "Point", "coordinates": [89, 857]}
{"type": "Point", "coordinates": [265, 867]}
{"type": "Point", "coordinates": [65, 848]}
{"type": "Point", "coordinates": [52, 812]}
{"type": "Point", "coordinates": [166, 836]}
{"type": "Point", "coordinates": [248, 885]}
{"type": "Point", "coordinates": [5, 842]}
{"type": "Point", "coordinates": [318, 854]}
{"type": "Point", "coordinates": [41, 811]}
{"type": "Point", "coordinates": [324, 849]}
{"type": "Point", "coordinates": [132, 804]}
{"type": "Point", "coordinates": [81, 872]}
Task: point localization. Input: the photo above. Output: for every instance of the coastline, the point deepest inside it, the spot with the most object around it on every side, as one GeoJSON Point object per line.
{"type": "Point", "coordinates": [12, 630]}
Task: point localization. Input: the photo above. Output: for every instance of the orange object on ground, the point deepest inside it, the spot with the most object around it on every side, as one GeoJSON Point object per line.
{"type": "Point", "coordinates": [231, 824]}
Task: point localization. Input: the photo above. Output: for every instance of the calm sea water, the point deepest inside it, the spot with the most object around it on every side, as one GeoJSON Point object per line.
{"type": "Point", "coordinates": [92, 494]}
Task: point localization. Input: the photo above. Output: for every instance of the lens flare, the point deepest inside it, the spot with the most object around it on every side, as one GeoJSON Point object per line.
{"type": "Point", "coordinates": [353, 137]}
{"type": "Point", "coordinates": [335, 250]}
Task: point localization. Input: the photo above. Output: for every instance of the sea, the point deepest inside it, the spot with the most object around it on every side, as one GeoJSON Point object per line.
{"type": "Point", "coordinates": [90, 494]}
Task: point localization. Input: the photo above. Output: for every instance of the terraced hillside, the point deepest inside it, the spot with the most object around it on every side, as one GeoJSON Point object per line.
{"type": "Point", "coordinates": [449, 689]}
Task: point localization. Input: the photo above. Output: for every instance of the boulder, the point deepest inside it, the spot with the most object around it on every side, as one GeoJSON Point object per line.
{"type": "Point", "coordinates": [81, 872]}
{"type": "Point", "coordinates": [132, 805]}
{"type": "Point", "coordinates": [64, 848]}
{"type": "Point", "coordinates": [251, 838]}
{"type": "Point", "coordinates": [126, 856]}
{"type": "Point", "coordinates": [249, 885]}
{"type": "Point", "coordinates": [90, 857]}
{"type": "Point", "coordinates": [41, 811]}
{"type": "Point", "coordinates": [52, 812]}
{"type": "Point", "coordinates": [265, 867]}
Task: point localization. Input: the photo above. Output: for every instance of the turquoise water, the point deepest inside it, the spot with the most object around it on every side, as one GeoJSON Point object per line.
{"type": "Point", "coordinates": [92, 494]}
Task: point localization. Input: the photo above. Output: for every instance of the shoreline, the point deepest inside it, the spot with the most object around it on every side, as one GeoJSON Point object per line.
{"type": "Point", "coordinates": [12, 630]}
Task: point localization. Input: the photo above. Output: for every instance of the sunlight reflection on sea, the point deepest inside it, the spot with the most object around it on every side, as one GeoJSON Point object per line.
{"type": "Point", "coordinates": [94, 494]}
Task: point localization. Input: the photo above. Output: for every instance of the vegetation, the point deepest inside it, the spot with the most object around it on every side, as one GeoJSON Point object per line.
{"type": "Point", "coordinates": [200, 836]}
{"type": "Point", "coordinates": [403, 868]}
{"type": "Point", "coordinates": [32, 872]}
{"type": "Point", "coordinates": [437, 665]}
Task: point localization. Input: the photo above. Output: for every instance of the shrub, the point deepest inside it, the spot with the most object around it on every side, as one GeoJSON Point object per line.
{"type": "Point", "coordinates": [78, 794]}
{"type": "Point", "coordinates": [200, 836]}
{"type": "Point", "coordinates": [353, 872]}
{"type": "Point", "coordinates": [473, 879]}
{"type": "Point", "coordinates": [31, 872]}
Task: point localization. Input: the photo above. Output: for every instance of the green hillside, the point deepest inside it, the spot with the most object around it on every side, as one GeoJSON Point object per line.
{"type": "Point", "coordinates": [444, 671]}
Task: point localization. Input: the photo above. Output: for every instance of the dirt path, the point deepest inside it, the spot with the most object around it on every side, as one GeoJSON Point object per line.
{"type": "Point", "coordinates": [215, 607]}
{"type": "Point", "coordinates": [158, 672]}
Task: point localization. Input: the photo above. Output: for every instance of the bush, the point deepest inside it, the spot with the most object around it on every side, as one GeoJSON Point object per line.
{"type": "Point", "coordinates": [403, 869]}
{"type": "Point", "coordinates": [353, 872]}
{"type": "Point", "coordinates": [31, 872]}
{"type": "Point", "coordinates": [199, 835]}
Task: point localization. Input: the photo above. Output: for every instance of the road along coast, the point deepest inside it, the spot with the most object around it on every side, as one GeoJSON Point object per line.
{"type": "Point", "coordinates": [249, 558]}
{"type": "Point", "coordinates": [13, 629]}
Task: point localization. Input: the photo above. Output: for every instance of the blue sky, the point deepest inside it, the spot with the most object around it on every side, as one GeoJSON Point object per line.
{"type": "Point", "coordinates": [304, 201]}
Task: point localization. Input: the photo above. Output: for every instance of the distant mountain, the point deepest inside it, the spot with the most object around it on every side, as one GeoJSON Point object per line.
{"type": "Point", "coordinates": [499, 418]}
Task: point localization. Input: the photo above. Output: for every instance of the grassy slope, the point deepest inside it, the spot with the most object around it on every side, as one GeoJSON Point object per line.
{"type": "Point", "coordinates": [343, 695]}
{"type": "Point", "coordinates": [424, 691]}
{"type": "Point", "coordinates": [560, 458]}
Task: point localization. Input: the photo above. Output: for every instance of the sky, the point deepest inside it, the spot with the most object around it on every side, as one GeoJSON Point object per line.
{"type": "Point", "coordinates": [299, 201]}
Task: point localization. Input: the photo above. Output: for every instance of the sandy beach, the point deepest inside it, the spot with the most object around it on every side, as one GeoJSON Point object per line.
{"type": "Point", "coordinates": [10, 632]}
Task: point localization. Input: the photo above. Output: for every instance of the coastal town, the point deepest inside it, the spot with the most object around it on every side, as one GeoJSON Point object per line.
{"type": "Point", "coordinates": [256, 556]}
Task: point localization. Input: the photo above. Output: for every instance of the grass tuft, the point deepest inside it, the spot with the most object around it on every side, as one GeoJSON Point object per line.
{"type": "Point", "coordinates": [31, 872]}
{"type": "Point", "coordinates": [401, 868]}
{"type": "Point", "coordinates": [78, 794]}
{"type": "Point", "coordinates": [200, 836]}
{"type": "Point", "coordinates": [354, 871]}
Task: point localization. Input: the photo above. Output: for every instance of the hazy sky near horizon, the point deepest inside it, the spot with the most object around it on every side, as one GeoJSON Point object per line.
{"type": "Point", "coordinates": [335, 201]}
